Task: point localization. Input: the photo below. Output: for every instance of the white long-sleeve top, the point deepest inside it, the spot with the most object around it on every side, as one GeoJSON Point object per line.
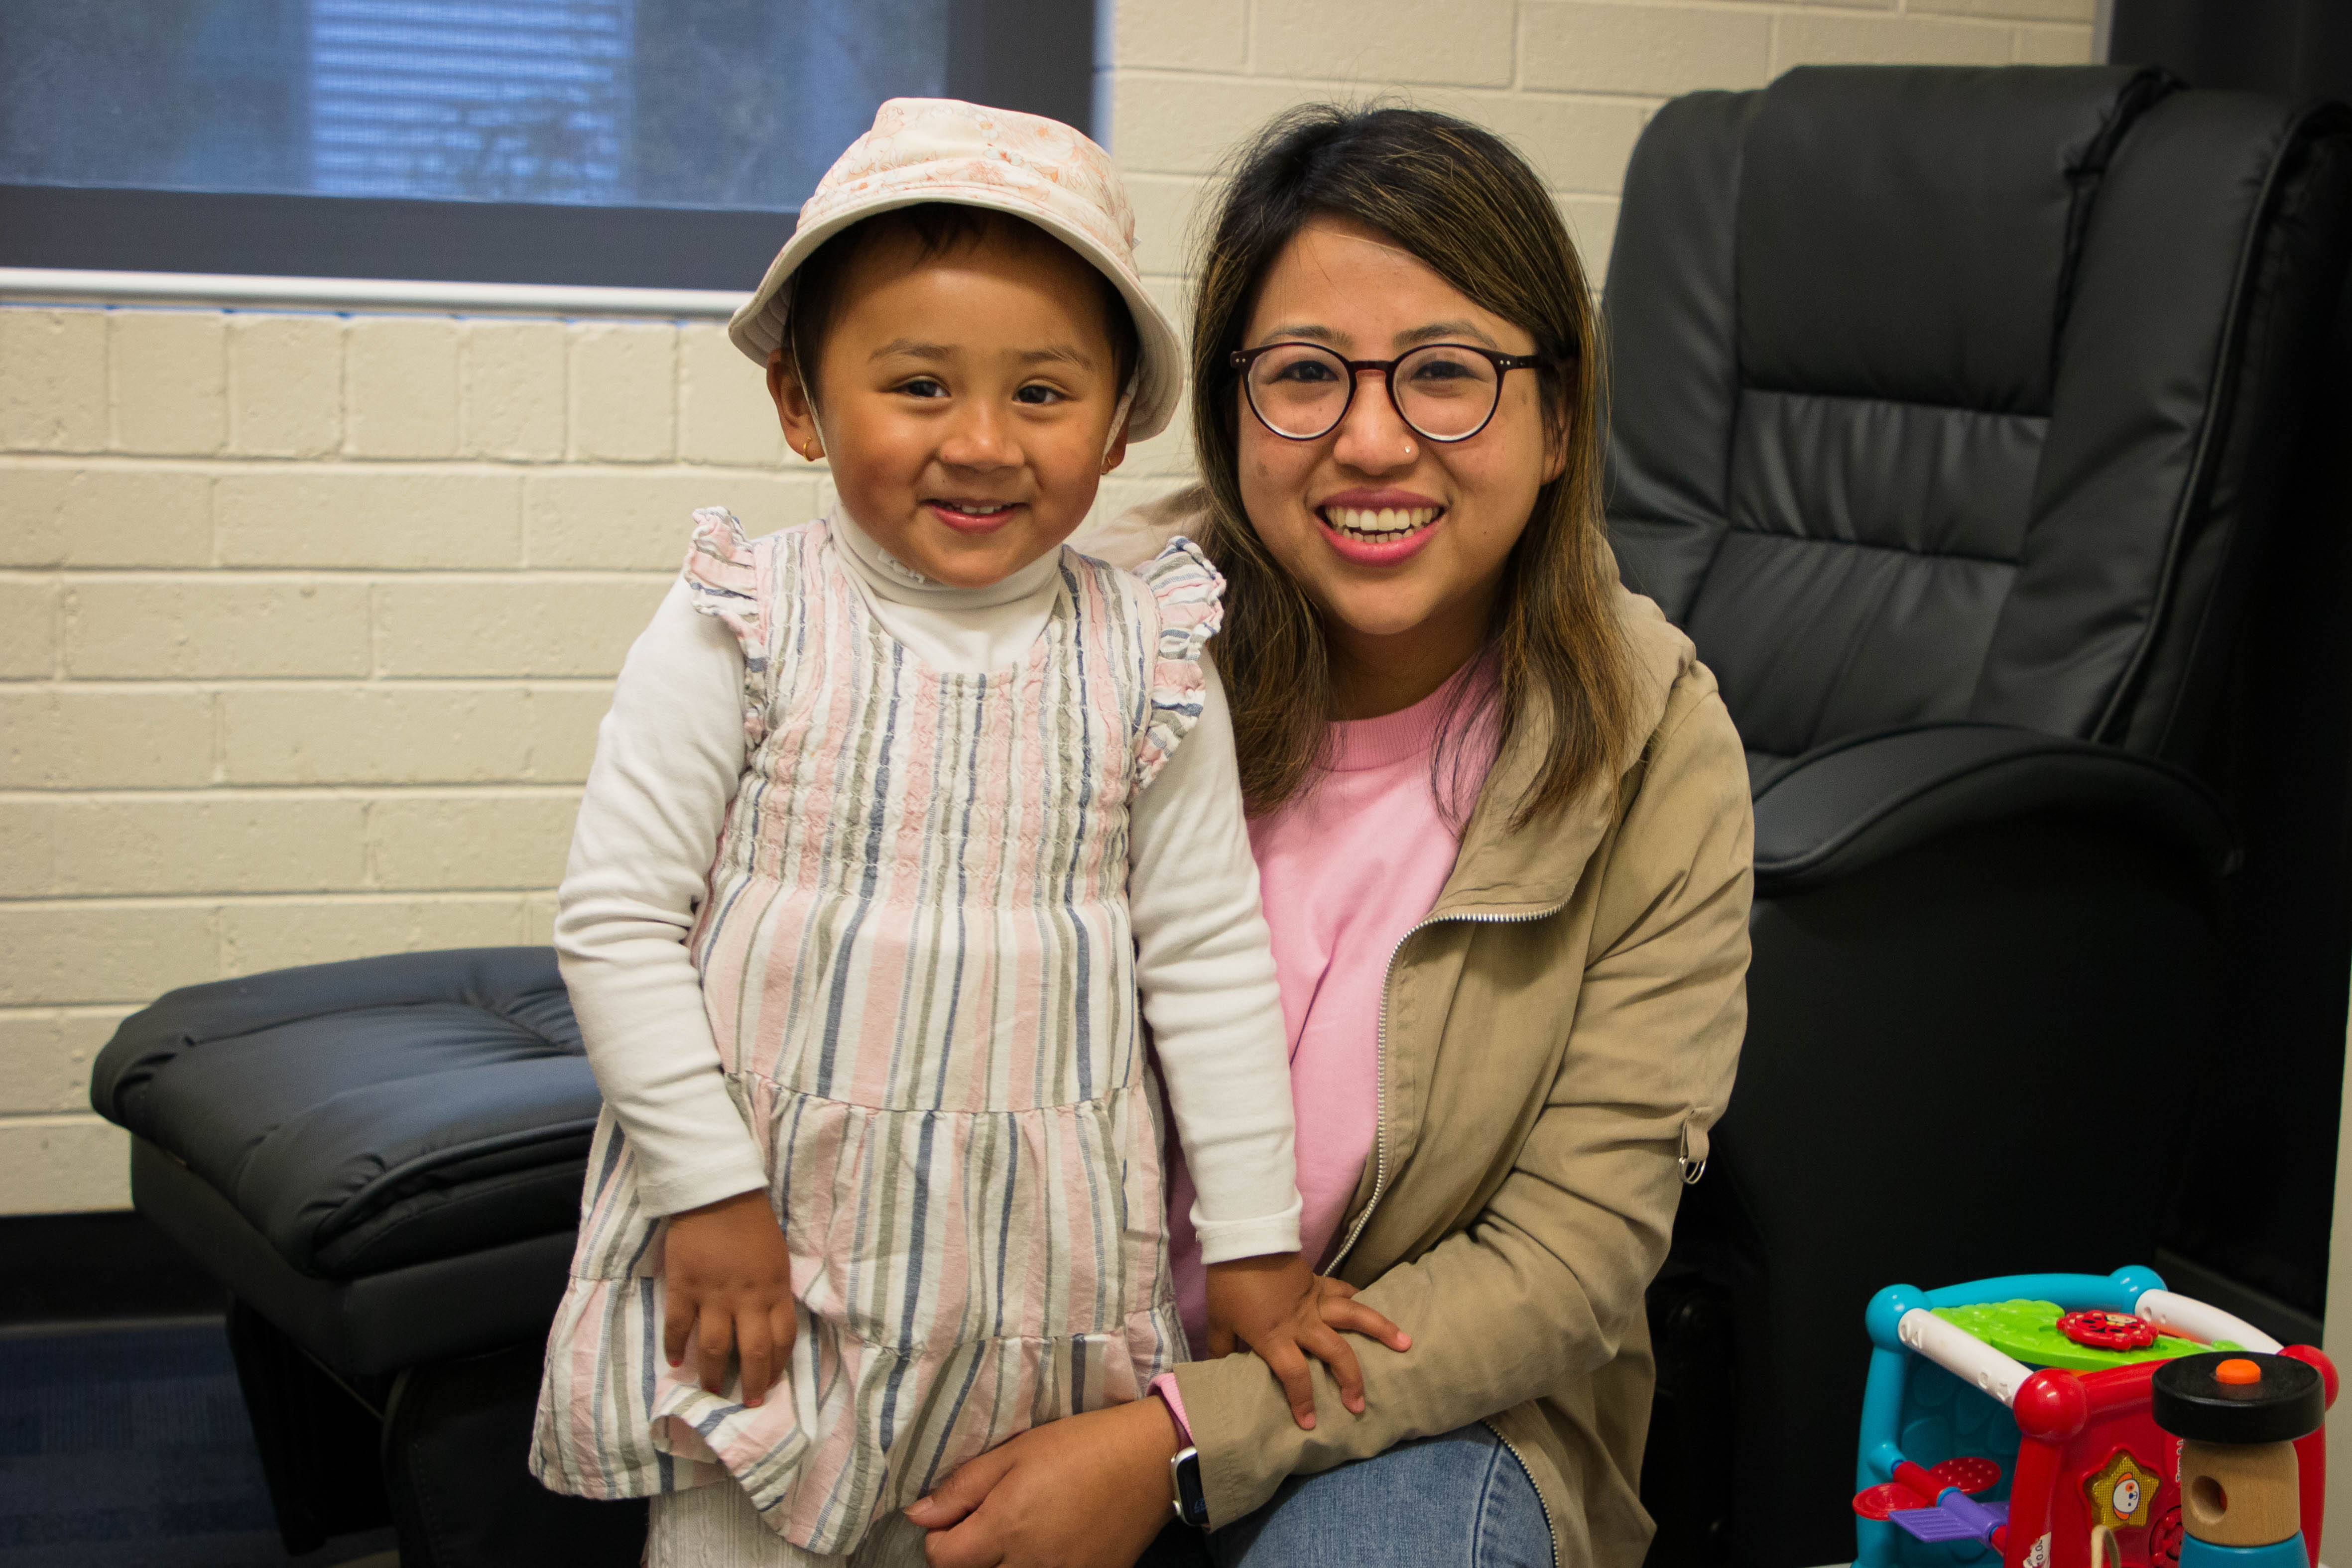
{"type": "Point", "coordinates": [670, 756]}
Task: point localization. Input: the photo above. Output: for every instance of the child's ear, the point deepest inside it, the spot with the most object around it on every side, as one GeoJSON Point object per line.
{"type": "Point", "coordinates": [794, 410]}
{"type": "Point", "coordinates": [1115, 453]}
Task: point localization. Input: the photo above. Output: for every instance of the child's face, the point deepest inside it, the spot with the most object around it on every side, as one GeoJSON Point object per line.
{"type": "Point", "coordinates": [964, 400]}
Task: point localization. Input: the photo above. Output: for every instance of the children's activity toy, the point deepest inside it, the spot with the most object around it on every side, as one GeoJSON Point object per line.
{"type": "Point", "coordinates": [2008, 1420]}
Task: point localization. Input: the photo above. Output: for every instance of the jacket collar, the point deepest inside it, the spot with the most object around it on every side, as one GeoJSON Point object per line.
{"type": "Point", "coordinates": [1505, 873]}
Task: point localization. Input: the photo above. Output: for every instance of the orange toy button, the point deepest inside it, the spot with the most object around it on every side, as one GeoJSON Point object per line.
{"type": "Point", "coordinates": [2238, 1371]}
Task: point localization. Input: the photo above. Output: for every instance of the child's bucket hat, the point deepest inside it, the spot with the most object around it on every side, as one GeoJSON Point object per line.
{"type": "Point", "coordinates": [941, 150]}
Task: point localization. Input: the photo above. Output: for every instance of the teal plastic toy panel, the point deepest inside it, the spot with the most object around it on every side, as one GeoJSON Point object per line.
{"type": "Point", "coordinates": [1943, 1418]}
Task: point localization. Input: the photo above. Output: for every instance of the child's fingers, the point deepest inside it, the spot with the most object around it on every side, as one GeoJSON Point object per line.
{"type": "Point", "coordinates": [1297, 1384]}
{"type": "Point", "coordinates": [751, 1342]}
{"type": "Point", "coordinates": [677, 1323]}
{"type": "Point", "coordinates": [1326, 1345]}
{"type": "Point", "coordinates": [1354, 1317]}
{"type": "Point", "coordinates": [714, 1337]}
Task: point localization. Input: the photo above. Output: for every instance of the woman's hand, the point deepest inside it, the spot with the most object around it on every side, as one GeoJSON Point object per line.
{"type": "Point", "coordinates": [727, 1280]}
{"type": "Point", "coordinates": [1279, 1307]}
{"type": "Point", "coordinates": [1087, 1492]}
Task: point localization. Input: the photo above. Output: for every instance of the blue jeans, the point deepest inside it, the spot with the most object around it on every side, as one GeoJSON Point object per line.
{"type": "Point", "coordinates": [1459, 1500]}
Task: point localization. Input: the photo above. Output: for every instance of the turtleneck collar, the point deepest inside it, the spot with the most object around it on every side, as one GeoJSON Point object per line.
{"type": "Point", "coordinates": [891, 579]}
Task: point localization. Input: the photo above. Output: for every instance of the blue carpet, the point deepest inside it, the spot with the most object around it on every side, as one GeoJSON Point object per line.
{"type": "Point", "coordinates": [130, 1447]}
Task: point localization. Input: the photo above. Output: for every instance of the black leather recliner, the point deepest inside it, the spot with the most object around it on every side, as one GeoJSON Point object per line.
{"type": "Point", "coordinates": [1949, 411]}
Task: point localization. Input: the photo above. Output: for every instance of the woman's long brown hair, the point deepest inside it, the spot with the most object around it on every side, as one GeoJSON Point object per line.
{"type": "Point", "coordinates": [1461, 200]}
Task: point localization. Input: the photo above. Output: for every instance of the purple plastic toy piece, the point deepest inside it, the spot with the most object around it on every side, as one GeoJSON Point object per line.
{"type": "Point", "coordinates": [1955, 1516]}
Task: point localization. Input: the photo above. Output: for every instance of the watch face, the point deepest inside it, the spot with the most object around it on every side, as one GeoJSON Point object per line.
{"type": "Point", "coordinates": [1191, 1502]}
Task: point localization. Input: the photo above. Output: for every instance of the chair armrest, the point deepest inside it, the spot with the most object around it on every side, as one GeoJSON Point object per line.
{"type": "Point", "coordinates": [1854, 804]}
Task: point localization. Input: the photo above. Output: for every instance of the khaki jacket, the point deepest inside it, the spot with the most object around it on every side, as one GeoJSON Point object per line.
{"type": "Point", "coordinates": [1557, 1034]}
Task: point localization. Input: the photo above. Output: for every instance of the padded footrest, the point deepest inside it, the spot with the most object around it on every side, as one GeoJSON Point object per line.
{"type": "Point", "coordinates": [385, 1155]}
{"type": "Point", "coordinates": [374, 1324]}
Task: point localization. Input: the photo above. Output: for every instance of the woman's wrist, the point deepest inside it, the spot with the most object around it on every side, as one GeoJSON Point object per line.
{"type": "Point", "coordinates": [1158, 1430]}
{"type": "Point", "coordinates": [1133, 1445]}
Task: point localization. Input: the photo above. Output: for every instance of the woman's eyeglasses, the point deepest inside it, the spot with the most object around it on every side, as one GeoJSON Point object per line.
{"type": "Point", "coordinates": [1445, 392]}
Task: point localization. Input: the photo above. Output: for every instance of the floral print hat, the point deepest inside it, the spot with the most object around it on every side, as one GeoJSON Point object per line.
{"type": "Point", "coordinates": [941, 150]}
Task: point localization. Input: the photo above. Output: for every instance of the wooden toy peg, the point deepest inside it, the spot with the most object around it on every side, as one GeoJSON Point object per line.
{"type": "Point", "coordinates": [2240, 1494]}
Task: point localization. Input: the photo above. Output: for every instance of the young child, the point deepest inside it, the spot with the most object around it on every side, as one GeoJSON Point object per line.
{"type": "Point", "coordinates": [893, 817]}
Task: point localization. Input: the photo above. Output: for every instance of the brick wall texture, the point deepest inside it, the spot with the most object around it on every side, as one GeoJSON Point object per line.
{"type": "Point", "coordinates": [307, 620]}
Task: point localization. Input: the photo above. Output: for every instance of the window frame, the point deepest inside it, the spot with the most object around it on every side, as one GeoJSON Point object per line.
{"type": "Point", "coordinates": [1035, 56]}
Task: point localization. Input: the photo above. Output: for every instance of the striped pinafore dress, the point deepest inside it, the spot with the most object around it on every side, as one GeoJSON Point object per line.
{"type": "Point", "coordinates": [916, 958]}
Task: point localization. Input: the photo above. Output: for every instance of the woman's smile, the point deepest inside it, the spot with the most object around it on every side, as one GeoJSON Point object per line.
{"type": "Point", "coordinates": [1379, 526]}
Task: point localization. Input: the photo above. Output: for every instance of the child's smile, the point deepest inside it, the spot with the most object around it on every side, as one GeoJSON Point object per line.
{"type": "Point", "coordinates": [973, 517]}
{"type": "Point", "coordinates": [965, 400]}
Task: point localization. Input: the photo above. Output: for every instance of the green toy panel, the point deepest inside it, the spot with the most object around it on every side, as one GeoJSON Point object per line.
{"type": "Point", "coordinates": [2028, 1331]}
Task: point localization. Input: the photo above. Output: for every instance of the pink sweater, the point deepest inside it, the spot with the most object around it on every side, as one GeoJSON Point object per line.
{"type": "Point", "coordinates": [1345, 869]}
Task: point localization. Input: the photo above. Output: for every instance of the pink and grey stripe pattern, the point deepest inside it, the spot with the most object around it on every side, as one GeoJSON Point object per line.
{"type": "Point", "coordinates": [917, 961]}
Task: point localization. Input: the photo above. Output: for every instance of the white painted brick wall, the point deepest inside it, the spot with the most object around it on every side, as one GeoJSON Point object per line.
{"type": "Point", "coordinates": [306, 623]}
{"type": "Point", "coordinates": [307, 620]}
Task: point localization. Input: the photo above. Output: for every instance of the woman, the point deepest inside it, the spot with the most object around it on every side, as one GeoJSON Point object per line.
{"type": "Point", "coordinates": [1502, 824]}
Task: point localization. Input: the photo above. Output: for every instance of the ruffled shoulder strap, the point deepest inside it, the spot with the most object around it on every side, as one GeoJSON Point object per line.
{"type": "Point", "coordinates": [727, 580]}
{"type": "Point", "coordinates": [1190, 595]}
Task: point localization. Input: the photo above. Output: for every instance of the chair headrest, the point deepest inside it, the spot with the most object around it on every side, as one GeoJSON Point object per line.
{"type": "Point", "coordinates": [1899, 228]}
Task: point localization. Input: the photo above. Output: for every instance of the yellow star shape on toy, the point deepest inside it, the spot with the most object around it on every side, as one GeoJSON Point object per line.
{"type": "Point", "coordinates": [2122, 1493]}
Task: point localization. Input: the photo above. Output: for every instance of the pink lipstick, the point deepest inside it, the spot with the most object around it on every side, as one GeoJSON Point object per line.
{"type": "Point", "coordinates": [1379, 526]}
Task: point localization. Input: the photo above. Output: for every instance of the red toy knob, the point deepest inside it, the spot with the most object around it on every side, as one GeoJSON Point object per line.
{"type": "Point", "coordinates": [2050, 1405]}
{"type": "Point", "coordinates": [2108, 1330]}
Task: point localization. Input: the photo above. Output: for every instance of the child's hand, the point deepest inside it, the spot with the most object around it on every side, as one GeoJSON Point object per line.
{"type": "Point", "coordinates": [730, 1287]}
{"type": "Point", "coordinates": [1276, 1305]}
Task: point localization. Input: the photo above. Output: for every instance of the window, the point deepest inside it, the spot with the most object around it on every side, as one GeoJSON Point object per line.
{"type": "Point", "coordinates": [650, 142]}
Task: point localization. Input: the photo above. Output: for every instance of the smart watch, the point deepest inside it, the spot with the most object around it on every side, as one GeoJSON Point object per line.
{"type": "Point", "coordinates": [1191, 1503]}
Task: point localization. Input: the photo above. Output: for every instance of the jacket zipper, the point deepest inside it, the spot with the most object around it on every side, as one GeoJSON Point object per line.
{"type": "Point", "coordinates": [1381, 1150]}
{"type": "Point", "coordinates": [1381, 1063]}
{"type": "Point", "coordinates": [1511, 1448]}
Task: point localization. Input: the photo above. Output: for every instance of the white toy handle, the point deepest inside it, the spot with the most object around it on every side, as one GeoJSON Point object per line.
{"type": "Point", "coordinates": [1963, 1354]}
{"type": "Point", "coordinates": [2186, 1318]}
